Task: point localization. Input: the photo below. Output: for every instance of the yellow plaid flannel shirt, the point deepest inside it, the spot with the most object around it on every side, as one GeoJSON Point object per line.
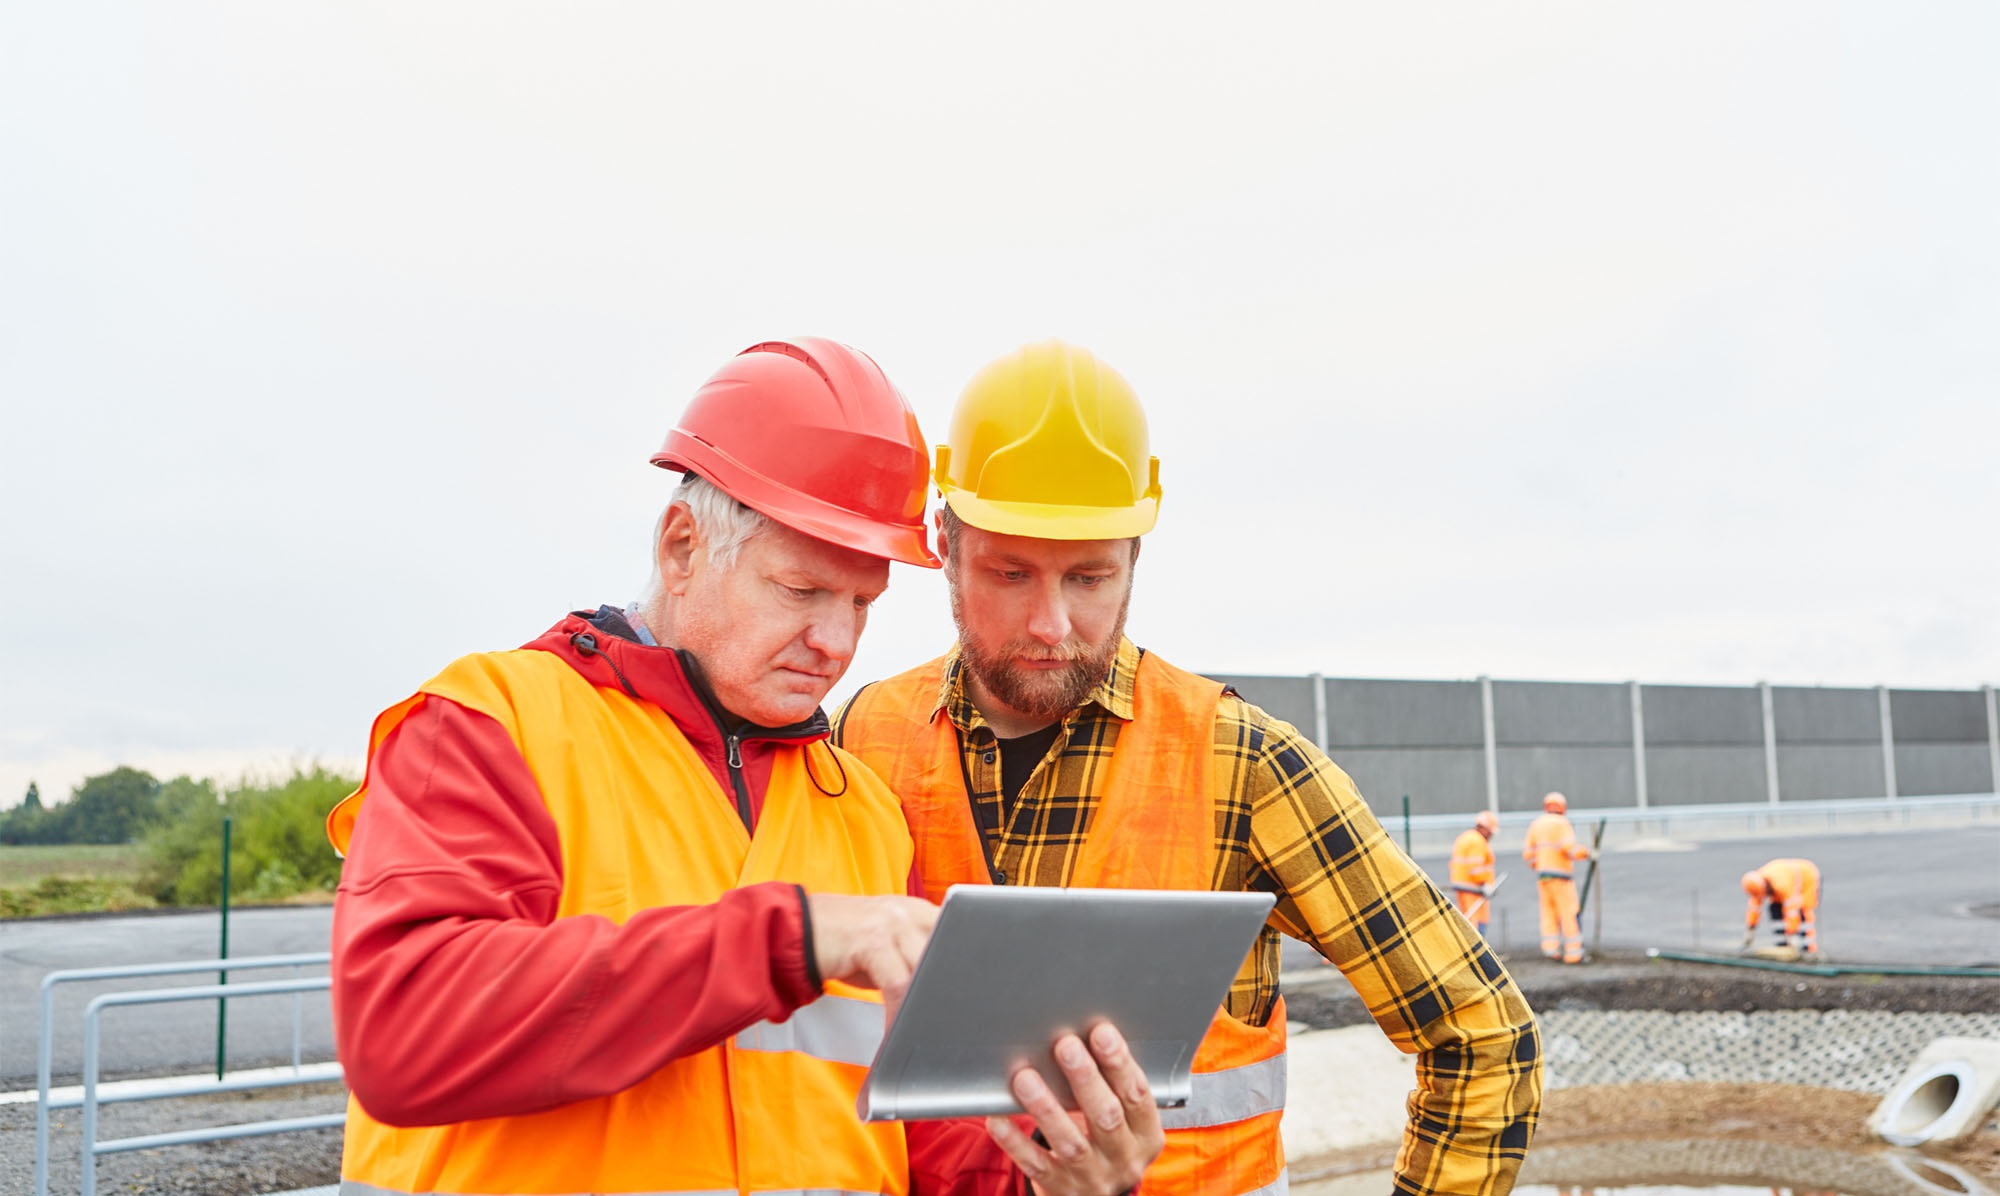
{"type": "Point", "coordinates": [1292, 824]}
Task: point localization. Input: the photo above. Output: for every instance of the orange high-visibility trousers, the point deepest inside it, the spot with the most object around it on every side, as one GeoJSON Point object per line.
{"type": "Point", "coordinates": [1562, 934]}
{"type": "Point", "coordinates": [1475, 907]}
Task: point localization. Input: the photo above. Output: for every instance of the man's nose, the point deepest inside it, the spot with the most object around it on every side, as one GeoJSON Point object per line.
{"type": "Point", "coordinates": [1049, 620]}
{"type": "Point", "coordinates": [834, 636]}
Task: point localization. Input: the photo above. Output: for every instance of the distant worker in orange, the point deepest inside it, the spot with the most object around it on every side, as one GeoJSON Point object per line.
{"type": "Point", "coordinates": [1791, 889]}
{"type": "Point", "coordinates": [1552, 850]}
{"type": "Point", "coordinates": [1472, 870]}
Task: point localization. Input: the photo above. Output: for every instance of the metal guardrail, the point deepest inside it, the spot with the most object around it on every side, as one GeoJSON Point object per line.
{"type": "Point", "coordinates": [90, 1097]}
{"type": "Point", "coordinates": [1751, 814]}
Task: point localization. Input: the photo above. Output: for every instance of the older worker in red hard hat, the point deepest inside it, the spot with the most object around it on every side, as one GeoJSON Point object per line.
{"type": "Point", "coordinates": [616, 917]}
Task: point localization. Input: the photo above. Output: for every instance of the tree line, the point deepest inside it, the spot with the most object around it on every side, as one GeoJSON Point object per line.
{"type": "Point", "coordinates": [278, 844]}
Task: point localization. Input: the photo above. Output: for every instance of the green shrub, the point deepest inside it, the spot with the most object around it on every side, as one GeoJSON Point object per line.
{"type": "Point", "coordinates": [278, 846]}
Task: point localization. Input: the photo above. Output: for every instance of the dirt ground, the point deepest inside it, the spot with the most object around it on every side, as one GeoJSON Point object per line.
{"type": "Point", "coordinates": [1633, 981]}
{"type": "Point", "coordinates": [1824, 1118]}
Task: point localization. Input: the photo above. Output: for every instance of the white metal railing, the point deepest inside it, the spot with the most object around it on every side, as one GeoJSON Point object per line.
{"type": "Point", "coordinates": [90, 1098]}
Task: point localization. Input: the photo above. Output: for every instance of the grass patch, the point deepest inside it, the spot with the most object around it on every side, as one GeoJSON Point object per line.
{"type": "Point", "coordinates": [70, 878]}
{"type": "Point", "coordinates": [21, 866]}
{"type": "Point", "coordinates": [70, 895]}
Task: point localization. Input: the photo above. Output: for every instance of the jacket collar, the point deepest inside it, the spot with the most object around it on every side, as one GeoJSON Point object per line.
{"type": "Point", "coordinates": [603, 647]}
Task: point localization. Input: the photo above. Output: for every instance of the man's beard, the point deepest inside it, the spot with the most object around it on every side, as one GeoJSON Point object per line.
{"type": "Point", "coordinates": [1046, 696]}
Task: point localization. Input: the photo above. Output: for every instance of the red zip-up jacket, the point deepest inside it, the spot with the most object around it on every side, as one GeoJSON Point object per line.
{"type": "Point", "coordinates": [458, 993]}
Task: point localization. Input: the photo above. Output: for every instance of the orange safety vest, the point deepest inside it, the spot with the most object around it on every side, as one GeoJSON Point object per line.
{"type": "Point", "coordinates": [643, 823]}
{"type": "Point", "coordinates": [1154, 828]}
{"type": "Point", "coordinates": [1471, 863]}
{"type": "Point", "coordinates": [1552, 848]}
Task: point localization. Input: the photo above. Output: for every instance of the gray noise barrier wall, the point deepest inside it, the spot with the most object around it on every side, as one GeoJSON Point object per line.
{"type": "Point", "coordinates": [1421, 738]}
{"type": "Point", "coordinates": [1564, 736]}
{"type": "Point", "coordinates": [1829, 743]}
{"type": "Point", "coordinates": [1697, 744]}
{"type": "Point", "coordinates": [1940, 741]}
{"type": "Point", "coordinates": [1704, 743]}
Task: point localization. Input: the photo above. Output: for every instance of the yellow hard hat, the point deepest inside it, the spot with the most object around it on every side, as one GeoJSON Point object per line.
{"type": "Point", "coordinates": [1050, 442]}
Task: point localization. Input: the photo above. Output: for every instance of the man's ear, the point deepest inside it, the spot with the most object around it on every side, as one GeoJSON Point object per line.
{"type": "Point", "coordinates": [676, 549]}
{"type": "Point", "coordinates": [943, 541]}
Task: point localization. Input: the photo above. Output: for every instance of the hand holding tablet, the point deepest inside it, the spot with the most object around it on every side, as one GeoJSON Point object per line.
{"type": "Point", "coordinates": [1009, 972]}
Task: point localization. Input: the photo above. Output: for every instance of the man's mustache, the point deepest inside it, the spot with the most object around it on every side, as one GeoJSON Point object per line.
{"type": "Point", "coordinates": [1068, 650]}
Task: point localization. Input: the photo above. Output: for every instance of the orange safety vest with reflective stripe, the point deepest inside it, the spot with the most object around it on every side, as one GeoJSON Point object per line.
{"type": "Point", "coordinates": [643, 823]}
{"type": "Point", "coordinates": [1154, 828]}
{"type": "Point", "coordinates": [1552, 848]}
{"type": "Point", "coordinates": [1471, 864]}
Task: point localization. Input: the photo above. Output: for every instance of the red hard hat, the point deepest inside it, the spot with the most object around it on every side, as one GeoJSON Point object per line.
{"type": "Point", "coordinates": [813, 434]}
{"type": "Point", "coordinates": [1555, 803]}
{"type": "Point", "coordinates": [1487, 821]}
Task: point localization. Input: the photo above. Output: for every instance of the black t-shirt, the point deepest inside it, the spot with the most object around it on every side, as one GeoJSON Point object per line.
{"type": "Point", "coordinates": [1018, 758]}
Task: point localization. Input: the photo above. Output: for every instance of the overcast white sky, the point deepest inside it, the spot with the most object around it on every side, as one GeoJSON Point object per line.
{"type": "Point", "coordinates": [1560, 341]}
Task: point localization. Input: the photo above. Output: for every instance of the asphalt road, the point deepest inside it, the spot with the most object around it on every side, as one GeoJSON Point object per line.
{"type": "Point", "coordinates": [1887, 897]}
{"type": "Point", "coordinates": [157, 1039]}
{"type": "Point", "coordinates": [1890, 897]}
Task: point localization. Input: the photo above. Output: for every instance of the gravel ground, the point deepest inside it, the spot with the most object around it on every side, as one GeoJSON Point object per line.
{"type": "Point", "coordinates": [244, 1167]}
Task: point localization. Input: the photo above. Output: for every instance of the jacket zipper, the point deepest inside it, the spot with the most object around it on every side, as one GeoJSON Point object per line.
{"type": "Point", "coordinates": [734, 744]}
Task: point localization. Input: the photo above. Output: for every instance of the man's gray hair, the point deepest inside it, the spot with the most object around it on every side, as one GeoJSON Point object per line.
{"type": "Point", "coordinates": [722, 524]}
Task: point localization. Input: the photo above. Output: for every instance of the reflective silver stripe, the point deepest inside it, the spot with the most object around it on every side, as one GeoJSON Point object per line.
{"type": "Point", "coordinates": [1459, 888]}
{"type": "Point", "coordinates": [354, 1187]}
{"type": "Point", "coordinates": [840, 1029]}
{"type": "Point", "coordinates": [1556, 875]}
{"type": "Point", "coordinates": [1235, 1094]}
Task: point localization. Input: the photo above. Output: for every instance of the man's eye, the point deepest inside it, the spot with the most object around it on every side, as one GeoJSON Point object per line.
{"type": "Point", "coordinates": [797, 592]}
{"type": "Point", "coordinates": [1090, 581]}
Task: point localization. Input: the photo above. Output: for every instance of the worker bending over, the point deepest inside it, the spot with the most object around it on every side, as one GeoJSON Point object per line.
{"type": "Point", "coordinates": [1552, 850]}
{"type": "Point", "coordinates": [1791, 889]}
{"type": "Point", "coordinates": [615, 914]}
{"type": "Point", "coordinates": [1472, 870]}
{"type": "Point", "coordinates": [1045, 748]}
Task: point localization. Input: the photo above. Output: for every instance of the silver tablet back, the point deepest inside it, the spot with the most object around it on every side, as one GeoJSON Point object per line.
{"type": "Point", "coordinates": [1010, 969]}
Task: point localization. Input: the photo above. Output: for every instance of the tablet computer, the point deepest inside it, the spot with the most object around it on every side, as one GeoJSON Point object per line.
{"type": "Point", "coordinates": [1009, 969]}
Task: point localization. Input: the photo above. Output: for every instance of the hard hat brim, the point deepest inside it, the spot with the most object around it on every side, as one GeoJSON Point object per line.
{"type": "Point", "coordinates": [803, 512]}
{"type": "Point", "coordinates": [1051, 521]}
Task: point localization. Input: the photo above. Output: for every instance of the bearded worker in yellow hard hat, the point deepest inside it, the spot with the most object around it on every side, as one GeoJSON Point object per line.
{"type": "Point", "coordinates": [1045, 748]}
